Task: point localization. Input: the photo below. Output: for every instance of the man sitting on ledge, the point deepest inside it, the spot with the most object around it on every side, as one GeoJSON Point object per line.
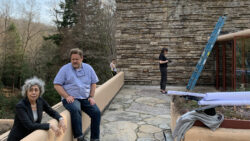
{"type": "Point", "coordinates": [76, 83]}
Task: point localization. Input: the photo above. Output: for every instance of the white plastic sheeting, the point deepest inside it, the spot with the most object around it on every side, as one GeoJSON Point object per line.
{"type": "Point", "coordinates": [225, 102]}
{"type": "Point", "coordinates": [226, 98]}
{"type": "Point", "coordinates": [219, 98]}
{"type": "Point", "coordinates": [185, 93]}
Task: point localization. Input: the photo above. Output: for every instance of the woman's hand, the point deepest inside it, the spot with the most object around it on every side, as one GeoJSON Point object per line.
{"type": "Point", "coordinates": [61, 125]}
{"type": "Point", "coordinates": [91, 101]}
{"type": "Point", "coordinates": [55, 129]}
{"type": "Point", "coordinates": [163, 62]}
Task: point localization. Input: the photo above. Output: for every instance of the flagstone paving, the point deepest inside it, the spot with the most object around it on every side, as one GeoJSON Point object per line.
{"type": "Point", "coordinates": [137, 113]}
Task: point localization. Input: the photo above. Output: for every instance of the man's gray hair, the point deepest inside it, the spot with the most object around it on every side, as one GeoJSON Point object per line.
{"type": "Point", "coordinates": [76, 51]}
{"type": "Point", "coordinates": [31, 82]}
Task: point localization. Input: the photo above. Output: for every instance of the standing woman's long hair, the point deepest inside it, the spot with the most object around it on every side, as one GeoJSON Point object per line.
{"type": "Point", "coordinates": [163, 50]}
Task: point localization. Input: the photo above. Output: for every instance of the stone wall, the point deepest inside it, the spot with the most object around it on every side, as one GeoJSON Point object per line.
{"type": "Point", "coordinates": [183, 26]}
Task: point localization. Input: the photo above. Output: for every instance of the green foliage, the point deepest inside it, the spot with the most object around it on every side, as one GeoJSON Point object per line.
{"type": "Point", "coordinates": [7, 106]}
{"type": "Point", "coordinates": [101, 68]}
{"type": "Point", "coordinates": [69, 19]}
{"type": "Point", "coordinates": [56, 38]}
{"type": "Point", "coordinates": [49, 60]}
{"type": "Point", "coordinates": [25, 72]}
{"type": "Point", "coordinates": [1, 85]}
{"type": "Point", "coordinates": [69, 16]}
{"type": "Point", "coordinates": [12, 64]}
{"type": "Point", "coordinates": [50, 95]}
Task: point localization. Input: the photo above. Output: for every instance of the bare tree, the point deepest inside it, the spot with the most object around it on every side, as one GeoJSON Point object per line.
{"type": "Point", "coordinates": [5, 14]}
{"type": "Point", "coordinates": [29, 16]}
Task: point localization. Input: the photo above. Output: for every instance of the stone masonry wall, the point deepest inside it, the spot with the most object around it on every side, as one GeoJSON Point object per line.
{"type": "Point", "coordinates": [183, 26]}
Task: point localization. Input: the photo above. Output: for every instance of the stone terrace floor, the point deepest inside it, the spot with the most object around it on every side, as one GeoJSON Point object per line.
{"type": "Point", "coordinates": [137, 113]}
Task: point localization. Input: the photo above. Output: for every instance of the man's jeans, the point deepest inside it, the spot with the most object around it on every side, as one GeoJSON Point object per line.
{"type": "Point", "coordinates": [76, 116]}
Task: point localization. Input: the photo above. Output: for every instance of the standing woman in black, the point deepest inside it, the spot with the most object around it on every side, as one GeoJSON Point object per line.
{"type": "Point", "coordinates": [163, 68]}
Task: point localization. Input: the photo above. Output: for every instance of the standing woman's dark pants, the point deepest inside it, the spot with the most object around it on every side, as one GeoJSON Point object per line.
{"type": "Point", "coordinates": [163, 77]}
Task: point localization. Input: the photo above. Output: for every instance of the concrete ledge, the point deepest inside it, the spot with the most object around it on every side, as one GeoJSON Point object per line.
{"type": "Point", "coordinates": [204, 134]}
{"type": "Point", "coordinates": [103, 96]}
{"type": "Point", "coordinates": [6, 121]}
{"type": "Point", "coordinates": [5, 124]}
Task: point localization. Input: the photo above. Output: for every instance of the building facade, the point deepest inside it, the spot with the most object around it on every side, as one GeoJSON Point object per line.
{"type": "Point", "coordinates": [144, 27]}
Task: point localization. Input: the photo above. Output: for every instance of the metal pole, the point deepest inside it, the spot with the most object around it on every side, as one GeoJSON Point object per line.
{"type": "Point", "coordinates": [234, 65]}
{"type": "Point", "coordinates": [217, 66]}
{"type": "Point", "coordinates": [243, 61]}
{"type": "Point", "coordinates": [224, 65]}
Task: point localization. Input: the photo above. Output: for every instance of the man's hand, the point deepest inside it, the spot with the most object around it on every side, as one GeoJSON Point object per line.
{"type": "Point", "coordinates": [91, 101]}
{"type": "Point", "coordinates": [62, 126]}
{"type": "Point", "coordinates": [70, 99]}
{"type": "Point", "coordinates": [166, 61]}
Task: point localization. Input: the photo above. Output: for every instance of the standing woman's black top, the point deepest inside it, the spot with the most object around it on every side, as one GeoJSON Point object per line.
{"type": "Point", "coordinates": [163, 58]}
{"type": "Point", "coordinates": [24, 121]}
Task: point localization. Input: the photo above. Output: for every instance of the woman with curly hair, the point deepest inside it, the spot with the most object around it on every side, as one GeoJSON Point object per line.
{"type": "Point", "coordinates": [29, 112]}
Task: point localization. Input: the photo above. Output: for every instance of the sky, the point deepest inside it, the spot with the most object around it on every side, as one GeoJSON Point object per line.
{"type": "Point", "coordinates": [43, 8]}
{"type": "Point", "coordinates": [47, 6]}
